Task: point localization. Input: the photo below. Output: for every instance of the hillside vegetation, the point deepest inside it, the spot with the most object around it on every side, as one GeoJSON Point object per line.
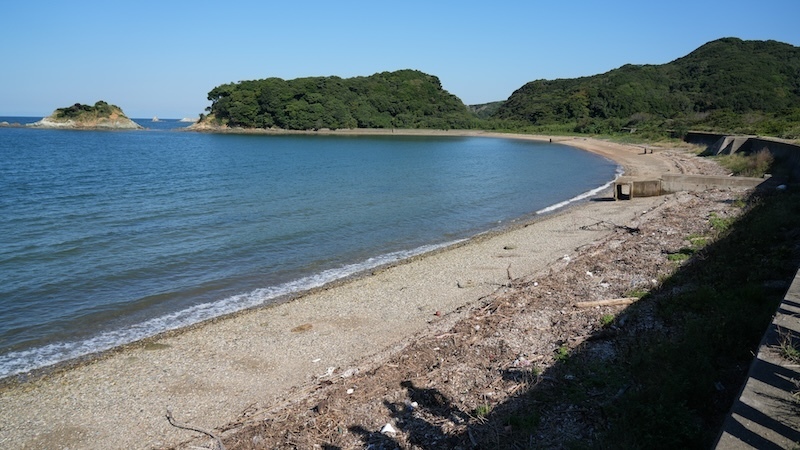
{"type": "Point", "coordinates": [485, 110]}
{"type": "Point", "coordinates": [728, 85]}
{"type": "Point", "coordinates": [401, 99]}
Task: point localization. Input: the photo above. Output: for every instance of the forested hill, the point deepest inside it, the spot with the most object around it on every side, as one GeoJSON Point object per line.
{"type": "Point", "coordinates": [728, 84]}
{"type": "Point", "coordinates": [402, 99]}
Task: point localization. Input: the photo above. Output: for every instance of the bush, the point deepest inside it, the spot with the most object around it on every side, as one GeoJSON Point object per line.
{"type": "Point", "coordinates": [753, 165]}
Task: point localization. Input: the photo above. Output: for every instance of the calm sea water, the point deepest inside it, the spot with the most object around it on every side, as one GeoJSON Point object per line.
{"type": "Point", "coordinates": [108, 237]}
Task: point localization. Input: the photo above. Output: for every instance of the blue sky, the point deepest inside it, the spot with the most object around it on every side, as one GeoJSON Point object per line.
{"type": "Point", "coordinates": [160, 58]}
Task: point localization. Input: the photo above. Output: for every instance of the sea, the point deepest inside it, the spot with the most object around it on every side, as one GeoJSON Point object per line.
{"type": "Point", "coordinates": [109, 237]}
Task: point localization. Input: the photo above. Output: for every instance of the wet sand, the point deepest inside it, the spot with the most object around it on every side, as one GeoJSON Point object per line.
{"type": "Point", "coordinates": [215, 373]}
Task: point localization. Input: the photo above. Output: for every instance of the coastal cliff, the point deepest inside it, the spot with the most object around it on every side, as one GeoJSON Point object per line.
{"type": "Point", "coordinates": [86, 117]}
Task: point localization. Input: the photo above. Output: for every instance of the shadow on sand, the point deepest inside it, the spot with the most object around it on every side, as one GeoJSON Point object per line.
{"type": "Point", "coordinates": [670, 384]}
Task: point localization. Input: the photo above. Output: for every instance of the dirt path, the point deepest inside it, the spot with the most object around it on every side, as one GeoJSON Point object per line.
{"type": "Point", "coordinates": [271, 362]}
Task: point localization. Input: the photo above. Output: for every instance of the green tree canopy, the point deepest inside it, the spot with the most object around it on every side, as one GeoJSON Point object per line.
{"type": "Point", "coordinates": [403, 99]}
{"type": "Point", "coordinates": [100, 109]}
{"type": "Point", "coordinates": [728, 84]}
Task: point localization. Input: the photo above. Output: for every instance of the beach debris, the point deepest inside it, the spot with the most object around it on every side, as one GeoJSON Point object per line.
{"type": "Point", "coordinates": [607, 225]}
{"type": "Point", "coordinates": [322, 407]}
{"type": "Point", "coordinates": [349, 372]}
{"type": "Point", "coordinates": [316, 360]}
{"type": "Point", "coordinates": [350, 391]}
{"type": "Point", "coordinates": [217, 441]}
{"type": "Point", "coordinates": [521, 362]}
{"type": "Point", "coordinates": [302, 328]}
{"type": "Point", "coordinates": [388, 429]}
{"type": "Point", "coordinates": [328, 372]}
{"type": "Point", "coordinates": [609, 302]}
{"type": "Point", "coordinates": [549, 317]}
{"type": "Point", "coordinates": [465, 284]}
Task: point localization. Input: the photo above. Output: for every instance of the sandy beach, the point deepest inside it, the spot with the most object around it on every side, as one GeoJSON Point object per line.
{"type": "Point", "coordinates": [221, 371]}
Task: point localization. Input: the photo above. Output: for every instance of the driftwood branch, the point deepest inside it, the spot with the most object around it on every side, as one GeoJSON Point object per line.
{"type": "Point", "coordinates": [605, 224]}
{"type": "Point", "coordinates": [218, 442]}
{"type": "Point", "coordinates": [610, 302]}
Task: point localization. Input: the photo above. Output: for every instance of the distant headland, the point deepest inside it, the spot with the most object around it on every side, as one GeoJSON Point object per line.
{"type": "Point", "coordinates": [85, 117]}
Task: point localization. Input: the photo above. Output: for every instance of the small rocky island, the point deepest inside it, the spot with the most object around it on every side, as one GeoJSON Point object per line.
{"type": "Point", "coordinates": [85, 117]}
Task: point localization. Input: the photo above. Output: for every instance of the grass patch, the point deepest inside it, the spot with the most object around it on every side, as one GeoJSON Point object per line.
{"type": "Point", "coordinates": [606, 320]}
{"type": "Point", "coordinates": [636, 293]}
{"type": "Point", "coordinates": [720, 224]}
{"type": "Point", "coordinates": [681, 255]}
{"type": "Point", "coordinates": [482, 411]}
{"type": "Point", "coordinates": [562, 354]}
{"type": "Point", "coordinates": [753, 165]}
{"type": "Point", "coordinates": [788, 348]}
{"type": "Point", "coordinates": [698, 241]}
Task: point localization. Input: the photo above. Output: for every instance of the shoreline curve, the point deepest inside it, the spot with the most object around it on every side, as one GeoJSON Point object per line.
{"type": "Point", "coordinates": [212, 371]}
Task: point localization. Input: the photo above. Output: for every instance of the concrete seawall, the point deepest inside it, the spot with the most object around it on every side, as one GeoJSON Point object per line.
{"type": "Point", "coordinates": [786, 154]}
{"type": "Point", "coordinates": [765, 415]}
{"type": "Point", "coordinates": [786, 167]}
{"type": "Point", "coordinates": [675, 183]}
{"type": "Point", "coordinates": [626, 188]}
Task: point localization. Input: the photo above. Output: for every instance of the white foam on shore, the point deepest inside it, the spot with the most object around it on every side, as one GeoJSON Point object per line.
{"type": "Point", "coordinates": [18, 362]}
{"type": "Point", "coordinates": [583, 196]}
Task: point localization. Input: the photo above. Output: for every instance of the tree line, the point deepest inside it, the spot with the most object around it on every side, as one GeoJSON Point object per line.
{"type": "Point", "coordinates": [728, 85]}
{"type": "Point", "coordinates": [99, 109]}
{"type": "Point", "coordinates": [401, 99]}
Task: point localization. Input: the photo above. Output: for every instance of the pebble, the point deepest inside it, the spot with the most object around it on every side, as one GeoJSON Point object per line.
{"type": "Point", "coordinates": [349, 372]}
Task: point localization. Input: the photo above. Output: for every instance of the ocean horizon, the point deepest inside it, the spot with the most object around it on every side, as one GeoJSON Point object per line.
{"type": "Point", "coordinates": [107, 238]}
